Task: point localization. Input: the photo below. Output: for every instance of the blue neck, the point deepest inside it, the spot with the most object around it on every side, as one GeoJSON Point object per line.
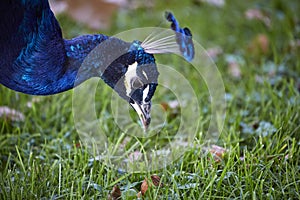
{"type": "Point", "coordinates": [34, 58]}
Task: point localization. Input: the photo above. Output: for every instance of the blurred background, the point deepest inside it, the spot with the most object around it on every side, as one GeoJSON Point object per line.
{"type": "Point", "coordinates": [256, 29]}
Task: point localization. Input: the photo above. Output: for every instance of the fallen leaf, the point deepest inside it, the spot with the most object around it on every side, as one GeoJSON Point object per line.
{"type": "Point", "coordinates": [217, 152]}
{"type": "Point", "coordinates": [144, 187]}
{"type": "Point", "coordinates": [165, 106]}
{"type": "Point", "coordinates": [155, 181]}
{"type": "Point", "coordinates": [115, 193]}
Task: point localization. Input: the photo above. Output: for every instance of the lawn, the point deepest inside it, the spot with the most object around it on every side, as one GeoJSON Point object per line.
{"type": "Point", "coordinates": [255, 47]}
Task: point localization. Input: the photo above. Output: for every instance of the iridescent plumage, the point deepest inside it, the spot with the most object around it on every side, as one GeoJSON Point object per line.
{"type": "Point", "coordinates": [183, 37]}
{"type": "Point", "coordinates": [35, 59]}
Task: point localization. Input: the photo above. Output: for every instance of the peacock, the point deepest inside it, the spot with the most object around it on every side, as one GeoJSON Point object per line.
{"type": "Point", "coordinates": [35, 59]}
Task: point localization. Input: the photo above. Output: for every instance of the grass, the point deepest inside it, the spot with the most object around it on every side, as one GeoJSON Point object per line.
{"type": "Point", "coordinates": [42, 157]}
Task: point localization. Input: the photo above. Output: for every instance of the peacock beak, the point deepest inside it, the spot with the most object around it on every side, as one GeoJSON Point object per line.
{"type": "Point", "coordinates": [143, 110]}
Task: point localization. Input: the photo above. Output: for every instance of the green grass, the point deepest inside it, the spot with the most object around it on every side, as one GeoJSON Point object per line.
{"type": "Point", "coordinates": [42, 157]}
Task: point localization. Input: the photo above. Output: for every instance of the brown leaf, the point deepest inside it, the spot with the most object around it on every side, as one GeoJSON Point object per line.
{"type": "Point", "coordinates": [156, 180]}
{"type": "Point", "coordinates": [144, 187]}
{"type": "Point", "coordinates": [165, 106]}
{"type": "Point", "coordinates": [217, 152]}
{"type": "Point", "coordinates": [115, 193]}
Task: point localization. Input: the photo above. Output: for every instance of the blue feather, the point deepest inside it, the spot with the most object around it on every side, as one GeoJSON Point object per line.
{"type": "Point", "coordinates": [183, 37]}
{"type": "Point", "coordinates": [34, 58]}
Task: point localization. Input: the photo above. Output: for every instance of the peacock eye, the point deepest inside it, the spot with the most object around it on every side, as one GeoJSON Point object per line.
{"type": "Point", "coordinates": [136, 83]}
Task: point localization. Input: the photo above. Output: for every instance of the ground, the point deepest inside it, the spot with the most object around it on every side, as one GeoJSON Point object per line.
{"type": "Point", "coordinates": [256, 47]}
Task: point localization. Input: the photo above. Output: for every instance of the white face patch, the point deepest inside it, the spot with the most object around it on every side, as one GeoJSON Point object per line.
{"type": "Point", "coordinates": [131, 73]}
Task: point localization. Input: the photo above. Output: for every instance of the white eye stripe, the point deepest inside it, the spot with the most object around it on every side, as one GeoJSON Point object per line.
{"type": "Point", "coordinates": [145, 74]}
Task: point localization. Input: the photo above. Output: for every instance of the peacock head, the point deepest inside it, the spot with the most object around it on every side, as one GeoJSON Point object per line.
{"type": "Point", "coordinates": [134, 76]}
{"type": "Point", "coordinates": [140, 81]}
